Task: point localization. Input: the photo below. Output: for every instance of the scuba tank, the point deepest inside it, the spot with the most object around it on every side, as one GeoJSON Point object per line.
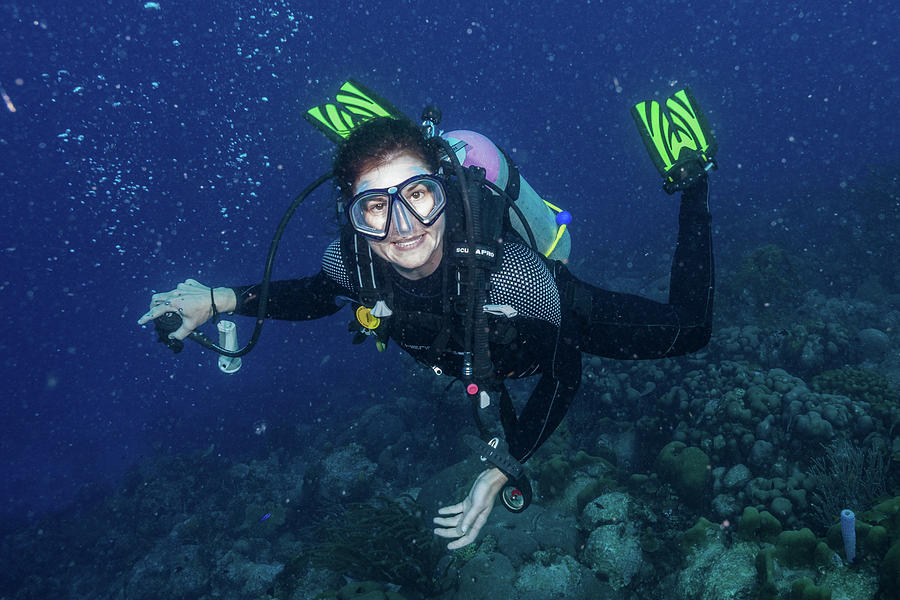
{"type": "Point", "coordinates": [547, 222]}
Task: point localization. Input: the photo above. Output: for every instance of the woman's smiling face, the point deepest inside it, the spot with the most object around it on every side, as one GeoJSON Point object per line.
{"type": "Point", "coordinates": [417, 252]}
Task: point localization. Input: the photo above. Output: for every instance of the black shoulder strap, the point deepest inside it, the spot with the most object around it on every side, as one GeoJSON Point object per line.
{"type": "Point", "coordinates": [512, 189]}
{"type": "Point", "coordinates": [513, 181]}
{"type": "Point", "coordinates": [371, 283]}
{"type": "Point", "coordinates": [489, 228]}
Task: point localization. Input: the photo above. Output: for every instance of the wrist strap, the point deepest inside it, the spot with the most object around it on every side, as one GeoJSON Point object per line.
{"type": "Point", "coordinates": [496, 455]}
{"type": "Point", "coordinates": [215, 311]}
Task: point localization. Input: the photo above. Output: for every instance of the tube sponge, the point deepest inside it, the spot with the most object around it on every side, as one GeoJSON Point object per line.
{"type": "Point", "coordinates": [848, 533]}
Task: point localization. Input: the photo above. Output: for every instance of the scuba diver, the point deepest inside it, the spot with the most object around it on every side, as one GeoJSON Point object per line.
{"type": "Point", "coordinates": [437, 255]}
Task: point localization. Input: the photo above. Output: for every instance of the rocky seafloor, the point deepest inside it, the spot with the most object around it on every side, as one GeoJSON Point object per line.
{"type": "Point", "coordinates": [718, 475]}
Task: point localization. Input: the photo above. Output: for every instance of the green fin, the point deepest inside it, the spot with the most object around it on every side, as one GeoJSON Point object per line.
{"type": "Point", "coordinates": [355, 104]}
{"type": "Point", "coordinates": [682, 134]}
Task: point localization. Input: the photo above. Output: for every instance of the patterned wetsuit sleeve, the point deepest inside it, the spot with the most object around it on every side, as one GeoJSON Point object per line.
{"type": "Point", "coordinates": [524, 282]}
{"type": "Point", "coordinates": [333, 265]}
{"type": "Point", "coordinates": [301, 299]}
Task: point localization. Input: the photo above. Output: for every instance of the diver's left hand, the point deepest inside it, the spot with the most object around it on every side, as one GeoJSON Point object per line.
{"type": "Point", "coordinates": [470, 515]}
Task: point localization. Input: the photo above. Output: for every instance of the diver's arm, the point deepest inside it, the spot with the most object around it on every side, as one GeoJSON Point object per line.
{"type": "Point", "coordinates": [561, 364]}
{"type": "Point", "coordinates": [543, 339]}
{"type": "Point", "coordinates": [305, 298]}
{"type": "Point", "coordinates": [626, 326]}
{"type": "Point", "coordinates": [551, 397]}
{"type": "Point", "coordinates": [293, 299]}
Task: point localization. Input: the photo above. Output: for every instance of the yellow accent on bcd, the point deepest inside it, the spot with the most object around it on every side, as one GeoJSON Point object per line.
{"type": "Point", "coordinates": [560, 231]}
{"type": "Point", "coordinates": [366, 319]}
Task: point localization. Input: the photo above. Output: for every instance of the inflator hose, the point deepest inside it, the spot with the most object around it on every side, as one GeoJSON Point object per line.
{"type": "Point", "coordinates": [476, 321]}
{"type": "Point", "coordinates": [203, 339]}
{"type": "Point", "coordinates": [482, 368]}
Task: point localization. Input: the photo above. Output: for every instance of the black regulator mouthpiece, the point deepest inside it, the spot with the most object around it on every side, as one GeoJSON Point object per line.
{"type": "Point", "coordinates": [431, 118]}
{"type": "Point", "coordinates": [431, 114]}
{"type": "Point", "coordinates": [168, 323]}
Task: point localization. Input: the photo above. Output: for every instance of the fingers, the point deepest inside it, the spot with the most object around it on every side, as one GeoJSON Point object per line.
{"type": "Point", "coordinates": [448, 533]}
{"type": "Point", "coordinates": [447, 522]}
{"type": "Point", "coordinates": [473, 522]}
{"type": "Point", "coordinates": [159, 305]}
{"type": "Point", "coordinates": [465, 526]}
{"type": "Point", "coordinates": [157, 299]}
{"type": "Point", "coordinates": [182, 332]}
{"type": "Point", "coordinates": [464, 535]}
{"type": "Point", "coordinates": [190, 298]}
{"type": "Point", "coordinates": [450, 528]}
{"type": "Point", "coordinates": [150, 315]}
{"type": "Point", "coordinates": [471, 526]}
{"type": "Point", "coordinates": [179, 334]}
{"type": "Point", "coordinates": [191, 285]}
{"type": "Point", "coordinates": [451, 510]}
{"type": "Point", "coordinates": [463, 541]}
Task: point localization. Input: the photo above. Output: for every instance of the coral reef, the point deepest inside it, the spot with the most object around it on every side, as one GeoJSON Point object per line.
{"type": "Point", "coordinates": [767, 281]}
{"type": "Point", "coordinates": [717, 475]}
{"type": "Point", "coordinates": [846, 476]}
{"type": "Point", "coordinates": [383, 540]}
{"type": "Point", "coordinates": [863, 385]}
{"type": "Point", "coordinates": [687, 469]}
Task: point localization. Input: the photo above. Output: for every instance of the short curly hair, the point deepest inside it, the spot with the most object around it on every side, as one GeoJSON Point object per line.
{"type": "Point", "coordinates": [377, 142]}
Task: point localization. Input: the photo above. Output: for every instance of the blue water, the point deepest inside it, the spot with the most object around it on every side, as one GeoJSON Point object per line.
{"type": "Point", "coordinates": [140, 146]}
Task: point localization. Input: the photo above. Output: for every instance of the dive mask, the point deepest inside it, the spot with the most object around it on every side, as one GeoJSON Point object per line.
{"type": "Point", "coordinates": [421, 196]}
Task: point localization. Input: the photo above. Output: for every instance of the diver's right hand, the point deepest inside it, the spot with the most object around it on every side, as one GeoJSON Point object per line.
{"type": "Point", "coordinates": [465, 520]}
{"type": "Point", "coordinates": [193, 302]}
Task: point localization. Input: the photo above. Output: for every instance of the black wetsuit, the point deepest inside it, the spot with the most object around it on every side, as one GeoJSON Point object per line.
{"type": "Point", "coordinates": [557, 318]}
